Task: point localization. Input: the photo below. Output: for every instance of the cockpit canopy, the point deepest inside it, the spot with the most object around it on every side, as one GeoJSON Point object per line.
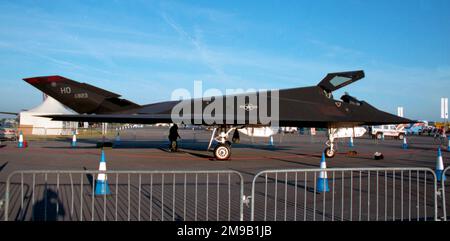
{"type": "Point", "coordinates": [335, 81]}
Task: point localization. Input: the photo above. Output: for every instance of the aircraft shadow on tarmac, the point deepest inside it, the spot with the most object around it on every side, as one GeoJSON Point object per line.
{"type": "Point", "coordinates": [432, 148]}
{"type": "Point", "coordinates": [3, 166]}
{"type": "Point", "coordinates": [89, 177]}
{"type": "Point", "coordinates": [294, 162]}
{"type": "Point", "coordinates": [184, 144]}
{"type": "Point", "coordinates": [278, 181]}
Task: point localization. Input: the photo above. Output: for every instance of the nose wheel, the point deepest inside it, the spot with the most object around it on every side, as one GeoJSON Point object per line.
{"type": "Point", "coordinates": [329, 152]}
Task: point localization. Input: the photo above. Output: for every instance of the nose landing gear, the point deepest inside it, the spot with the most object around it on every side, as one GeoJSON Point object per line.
{"type": "Point", "coordinates": [330, 152]}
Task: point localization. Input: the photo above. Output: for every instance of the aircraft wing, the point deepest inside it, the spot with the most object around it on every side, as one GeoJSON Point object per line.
{"type": "Point", "coordinates": [130, 118]}
{"type": "Point", "coordinates": [202, 120]}
{"type": "Point", "coordinates": [114, 118]}
{"type": "Point", "coordinates": [145, 119]}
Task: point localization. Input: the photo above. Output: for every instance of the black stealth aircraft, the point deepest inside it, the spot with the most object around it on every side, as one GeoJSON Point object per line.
{"type": "Point", "coordinates": [298, 107]}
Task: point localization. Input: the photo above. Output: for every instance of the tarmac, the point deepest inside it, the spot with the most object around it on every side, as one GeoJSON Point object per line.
{"type": "Point", "coordinates": [147, 150]}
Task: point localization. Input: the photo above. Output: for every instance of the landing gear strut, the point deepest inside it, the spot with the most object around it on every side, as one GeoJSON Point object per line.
{"type": "Point", "coordinates": [330, 152]}
{"type": "Point", "coordinates": [222, 151]}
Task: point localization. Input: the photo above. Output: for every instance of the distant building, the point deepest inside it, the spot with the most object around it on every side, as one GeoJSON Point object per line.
{"type": "Point", "coordinates": [30, 121]}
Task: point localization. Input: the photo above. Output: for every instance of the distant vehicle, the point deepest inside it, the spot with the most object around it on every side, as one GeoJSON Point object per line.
{"type": "Point", "coordinates": [430, 131]}
{"type": "Point", "coordinates": [291, 130]}
{"type": "Point", "coordinates": [417, 129]}
{"type": "Point", "coordinates": [193, 127]}
{"type": "Point", "coordinates": [427, 130]}
{"type": "Point", "coordinates": [350, 132]}
{"type": "Point", "coordinates": [259, 132]}
{"type": "Point", "coordinates": [162, 124]}
{"type": "Point", "coordinates": [396, 131]}
{"type": "Point", "coordinates": [8, 133]}
{"type": "Point", "coordinates": [440, 137]}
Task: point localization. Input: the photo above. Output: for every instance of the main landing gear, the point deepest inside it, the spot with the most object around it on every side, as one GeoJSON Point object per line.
{"type": "Point", "coordinates": [222, 151]}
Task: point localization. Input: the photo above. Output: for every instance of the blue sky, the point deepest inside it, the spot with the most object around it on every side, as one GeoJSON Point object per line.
{"type": "Point", "coordinates": [144, 50]}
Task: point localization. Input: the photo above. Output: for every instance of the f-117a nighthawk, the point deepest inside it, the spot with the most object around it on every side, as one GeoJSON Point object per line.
{"type": "Point", "coordinates": [298, 107]}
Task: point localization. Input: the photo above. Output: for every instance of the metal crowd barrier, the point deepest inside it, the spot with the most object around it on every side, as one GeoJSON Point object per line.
{"type": "Point", "coordinates": [134, 195]}
{"type": "Point", "coordinates": [355, 194]}
{"type": "Point", "coordinates": [443, 192]}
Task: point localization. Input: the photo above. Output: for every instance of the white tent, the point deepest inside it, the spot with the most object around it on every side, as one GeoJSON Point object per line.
{"type": "Point", "coordinates": [31, 123]}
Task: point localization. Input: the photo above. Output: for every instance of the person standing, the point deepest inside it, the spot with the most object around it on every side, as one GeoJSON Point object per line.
{"type": "Point", "coordinates": [173, 136]}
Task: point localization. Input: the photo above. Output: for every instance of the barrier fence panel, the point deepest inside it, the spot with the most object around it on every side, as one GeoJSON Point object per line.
{"type": "Point", "coordinates": [134, 195]}
{"type": "Point", "coordinates": [2, 200]}
{"type": "Point", "coordinates": [367, 194]}
{"type": "Point", "coordinates": [445, 191]}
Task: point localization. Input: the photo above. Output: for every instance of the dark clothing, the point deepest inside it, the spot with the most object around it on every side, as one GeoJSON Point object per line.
{"type": "Point", "coordinates": [173, 133]}
{"type": "Point", "coordinates": [173, 136]}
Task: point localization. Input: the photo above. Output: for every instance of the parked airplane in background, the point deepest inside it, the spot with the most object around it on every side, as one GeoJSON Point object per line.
{"type": "Point", "coordinates": [298, 107]}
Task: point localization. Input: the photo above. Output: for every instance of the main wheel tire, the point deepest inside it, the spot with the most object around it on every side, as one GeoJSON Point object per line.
{"type": "Point", "coordinates": [329, 153]}
{"type": "Point", "coordinates": [222, 152]}
{"type": "Point", "coordinates": [401, 137]}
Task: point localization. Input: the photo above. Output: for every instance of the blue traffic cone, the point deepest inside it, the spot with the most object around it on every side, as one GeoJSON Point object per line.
{"type": "Point", "coordinates": [20, 144]}
{"type": "Point", "coordinates": [405, 143]}
{"type": "Point", "coordinates": [322, 181]}
{"type": "Point", "coordinates": [101, 184]}
{"type": "Point", "coordinates": [440, 166]}
{"type": "Point", "coordinates": [74, 139]}
{"type": "Point", "coordinates": [350, 143]}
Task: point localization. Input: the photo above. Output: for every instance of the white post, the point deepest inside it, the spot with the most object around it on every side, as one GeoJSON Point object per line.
{"type": "Point", "coordinates": [444, 112]}
{"type": "Point", "coordinates": [400, 111]}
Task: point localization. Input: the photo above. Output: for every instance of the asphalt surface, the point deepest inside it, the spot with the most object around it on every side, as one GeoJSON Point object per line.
{"type": "Point", "coordinates": [354, 196]}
